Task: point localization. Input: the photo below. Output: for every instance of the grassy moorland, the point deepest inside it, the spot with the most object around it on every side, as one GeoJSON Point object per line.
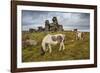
{"type": "Point", "coordinates": [74, 49]}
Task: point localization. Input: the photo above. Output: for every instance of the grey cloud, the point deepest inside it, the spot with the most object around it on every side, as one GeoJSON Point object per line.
{"type": "Point", "coordinates": [67, 19]}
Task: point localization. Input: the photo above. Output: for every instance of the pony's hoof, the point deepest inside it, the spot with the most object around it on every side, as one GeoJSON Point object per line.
{"type": "Point", "coordinates": [42, 53]}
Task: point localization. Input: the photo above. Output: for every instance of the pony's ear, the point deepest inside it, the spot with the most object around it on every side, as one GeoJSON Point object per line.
{"type": "Point", "coordinates": [53, 38]}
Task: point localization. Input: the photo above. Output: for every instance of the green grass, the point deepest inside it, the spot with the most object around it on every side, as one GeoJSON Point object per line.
{"type": "Point", "coordinates": [74, 49]}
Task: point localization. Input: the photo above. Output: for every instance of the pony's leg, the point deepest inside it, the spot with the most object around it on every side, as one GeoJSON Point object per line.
{"type": "Point", "coordinates": [46, 49]}
{"type": "Point", "coordinates": [60, 47]}
{"type": "Point", "coordinates": [46, 46]}
{"type": "Point", "coordinates": [50, 50]}
{"type": "Point", "coordinates": [80, 37]}
{"type": "Point", "coordinates": [63, 45]}
{"type": "Point", "coordinates": [76, 37]}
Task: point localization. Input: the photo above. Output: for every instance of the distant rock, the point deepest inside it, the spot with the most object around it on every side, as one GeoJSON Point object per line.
{"type": "Point", "coordinates": [29, 42]}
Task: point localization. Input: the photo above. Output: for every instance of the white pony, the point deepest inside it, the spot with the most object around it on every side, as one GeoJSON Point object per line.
{"type": "Point", "coordinates": [79, 35]}
{"type": "Point", "coordinates": [50, 39]}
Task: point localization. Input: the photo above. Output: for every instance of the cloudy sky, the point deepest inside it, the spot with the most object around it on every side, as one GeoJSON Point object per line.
{"type": "Point", "coordinates": [69, 20]}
